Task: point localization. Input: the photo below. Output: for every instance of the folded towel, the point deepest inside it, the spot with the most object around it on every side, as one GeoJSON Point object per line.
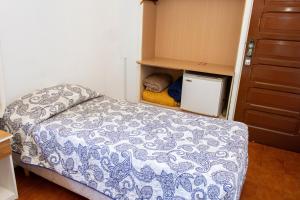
{"type": "Point", "coordinates": [175, 89]}
{"type": "Point", "coordinates": [161, 98]}
{"type": "Point", "coordinates": [157, 82]}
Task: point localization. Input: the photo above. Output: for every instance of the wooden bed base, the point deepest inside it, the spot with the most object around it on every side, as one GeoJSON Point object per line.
{"type": "Point", "coordinates": [60, 180]}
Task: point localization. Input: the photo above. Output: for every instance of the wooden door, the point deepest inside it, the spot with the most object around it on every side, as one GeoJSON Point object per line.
{"type": "Point", "coordinates": [269, 94]}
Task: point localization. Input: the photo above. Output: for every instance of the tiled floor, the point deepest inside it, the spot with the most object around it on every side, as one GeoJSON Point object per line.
{"type": "Point", "coordinates": [37, 188]}
{"type": "Point", "coordinates": [272, 174]}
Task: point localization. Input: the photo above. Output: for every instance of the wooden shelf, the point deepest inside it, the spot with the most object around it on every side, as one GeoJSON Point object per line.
{"type": "Point", "coordinates": [4, 136]}
{"type": "Point", "coordinates": [222, 116]}
{"type": "Point", "coordinates": [189, 65]}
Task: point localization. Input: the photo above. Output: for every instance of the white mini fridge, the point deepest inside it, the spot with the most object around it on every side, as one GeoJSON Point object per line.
{"type": "Point", "coordinates": [203, 94]}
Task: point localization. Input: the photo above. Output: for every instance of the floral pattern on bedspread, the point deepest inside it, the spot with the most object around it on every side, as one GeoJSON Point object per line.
{"type": "Point", "coordinates": [27, 111]}
{"type": "Point", "coordinates": [137, 151]}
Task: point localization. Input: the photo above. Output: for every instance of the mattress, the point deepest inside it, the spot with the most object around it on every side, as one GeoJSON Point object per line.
{"type": "Point", "coordinates": [134, 151]}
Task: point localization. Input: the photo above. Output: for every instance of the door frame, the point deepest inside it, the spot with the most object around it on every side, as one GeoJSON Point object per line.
{"type": "Point", "coordinates": [240, 57]}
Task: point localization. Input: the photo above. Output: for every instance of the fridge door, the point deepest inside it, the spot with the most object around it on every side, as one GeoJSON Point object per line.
{"type": "Point", "coordinates": [203, 95]}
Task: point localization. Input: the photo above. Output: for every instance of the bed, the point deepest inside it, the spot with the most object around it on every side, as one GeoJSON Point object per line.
{"type": "Point", "coordinates": [126, 150]}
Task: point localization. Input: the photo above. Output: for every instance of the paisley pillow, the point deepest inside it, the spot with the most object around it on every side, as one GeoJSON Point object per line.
{"type": "Point", "coordinates": [42, 104]}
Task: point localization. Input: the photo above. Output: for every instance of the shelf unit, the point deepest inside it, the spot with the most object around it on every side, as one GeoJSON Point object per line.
{"type": "Point", "coordinates": [191, 35]}
{"type": "Point", "coordinates": [8, 188]}
{"type": "Point", "coordinates": [7, 194]}
{"type": "Point", "coordinates": [189, 66]}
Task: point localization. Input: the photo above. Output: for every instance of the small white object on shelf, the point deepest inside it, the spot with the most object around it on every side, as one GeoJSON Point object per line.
{"type": "Point", "coordinates": [203, 94]}
{"type": "Point", "coordinates": [8, 187]}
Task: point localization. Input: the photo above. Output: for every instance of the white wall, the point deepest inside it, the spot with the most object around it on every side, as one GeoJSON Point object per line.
{"type": "Point", "coordinates": [2, 92]}
{"type": "Point", "coordinates": [46, 42]}
{"type": "Point", "coordinates": [131, 30]}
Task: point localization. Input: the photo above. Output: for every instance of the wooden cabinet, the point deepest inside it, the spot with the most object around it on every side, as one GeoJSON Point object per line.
{"type": "Point", "coordinates": [8, 188]}
{"type": "Point", "coordinates": [191, 35]}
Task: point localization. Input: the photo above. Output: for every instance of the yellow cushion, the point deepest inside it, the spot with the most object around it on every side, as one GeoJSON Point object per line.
{"type": "Point", "coordinates": [162, 98]}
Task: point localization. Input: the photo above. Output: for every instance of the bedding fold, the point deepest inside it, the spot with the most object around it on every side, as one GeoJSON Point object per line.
{"type": "Point", "coordinates": [175, 89]}
{"type": "Point", "coordinates": [157, 82]}
{"type": "Point", "coordinates": [161, 98]}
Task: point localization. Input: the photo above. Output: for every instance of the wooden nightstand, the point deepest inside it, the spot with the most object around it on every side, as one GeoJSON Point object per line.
{"type": "Point", "coordinates": [8, 187]}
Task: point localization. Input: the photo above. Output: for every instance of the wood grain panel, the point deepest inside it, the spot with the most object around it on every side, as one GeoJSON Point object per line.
{"type": "Point", "coordinates": [276, 139]}
{"type": "Point", "coordinates": [269, 93]}
{"type": "Point", "coordinates": [273, 122]}
{"type": "Point", "coordinates": [149, 29]}
{"type": "Point", "coordinates": [280, 20]}
{"type": "Point", "coordinates": [282, 77]}
{"type": "Point", "coordinates": [274, 99]}
{"type": "Point", "coordinates": [4, 135]}
{"type": "Point", "coordinates": [276, 52]}
{"type": "Point", "coordinates": [290, 8]}
{"type": "Point", "coordinates": [282, 1]}
{"type": "Point", "coordinates": [188, 65]}
{"type": "Point", "coordinates": [5, 149]}
{"type": "Point", "coordinates": [284, 23]}
{"type": "Point", "coordinates": [201, 31]}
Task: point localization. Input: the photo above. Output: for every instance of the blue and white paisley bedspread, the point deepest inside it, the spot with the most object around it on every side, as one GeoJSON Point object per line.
{"type": "Point", "coordinates": [137, 151]}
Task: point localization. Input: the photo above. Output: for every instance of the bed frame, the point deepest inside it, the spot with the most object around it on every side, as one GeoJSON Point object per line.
{"type": "Point", "coordinates": [60, 180]}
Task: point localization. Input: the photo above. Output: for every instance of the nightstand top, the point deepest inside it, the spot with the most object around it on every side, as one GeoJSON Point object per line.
{"type": "Point", "coordinates": [4, 136]}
